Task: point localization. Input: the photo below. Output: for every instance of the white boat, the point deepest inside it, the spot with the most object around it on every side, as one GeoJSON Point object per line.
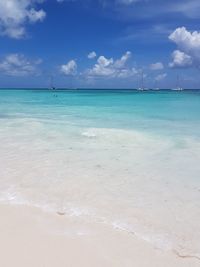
{"type": "Point", "coordinates": [178, 87]}
{"type": "Point", "coordinates": [142, 87]}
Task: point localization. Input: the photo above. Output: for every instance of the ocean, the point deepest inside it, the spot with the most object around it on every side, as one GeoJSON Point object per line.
{"type": "Point", "coordinates": [119, 157]}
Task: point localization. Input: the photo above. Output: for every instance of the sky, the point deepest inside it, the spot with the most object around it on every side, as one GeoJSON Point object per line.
{"type": "Point", "coordinates": [99, 43]}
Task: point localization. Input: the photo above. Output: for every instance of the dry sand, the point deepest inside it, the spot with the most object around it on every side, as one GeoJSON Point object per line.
{"type": "Point", "coordinates": [30, 237]}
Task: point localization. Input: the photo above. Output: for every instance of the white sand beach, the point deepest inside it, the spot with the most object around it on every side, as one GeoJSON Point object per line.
{"type": "Point", "coordinates": [74, 193]}
{"type": "Point", "coordinates": [31, 237]}
{"type": "Point", "coordinates": [99, 133]}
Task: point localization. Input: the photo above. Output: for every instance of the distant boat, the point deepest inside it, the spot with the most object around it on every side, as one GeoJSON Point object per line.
{"type": "Point", "coordinates": [142, 87]}
{"type": "Point", "coordinates": [52, 87]}
{"type": "Point", "coordinates": [178, 87]}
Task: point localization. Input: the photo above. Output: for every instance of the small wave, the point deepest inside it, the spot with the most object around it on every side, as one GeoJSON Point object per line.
{"type": "Point", "coordinates": [89, 134]}
{"type": "Point", "coordinates": [158, 240]}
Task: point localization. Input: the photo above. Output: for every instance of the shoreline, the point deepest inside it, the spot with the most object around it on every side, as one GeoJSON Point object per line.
{"type": "Point", "coordinates": [90, 180]}
{"type": "Point", "coordinates": [32, 237]}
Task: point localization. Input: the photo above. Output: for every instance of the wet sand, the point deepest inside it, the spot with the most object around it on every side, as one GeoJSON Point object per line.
{"type": "Point", "coordinates": [33, 238]}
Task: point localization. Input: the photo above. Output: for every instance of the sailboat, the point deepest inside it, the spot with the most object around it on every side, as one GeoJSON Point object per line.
{"type": "Point", "coordinates": [178, 87]}
{"type": "Point", "coordinates": [142, 88]}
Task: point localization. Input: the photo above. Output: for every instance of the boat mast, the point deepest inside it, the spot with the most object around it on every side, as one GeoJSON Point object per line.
{"type": "Point", "coordinates": [141, 81]}
{"type": "Point", "coordinates": [178, 85]}
{"type": "Point", "coordinates": [156, 87]}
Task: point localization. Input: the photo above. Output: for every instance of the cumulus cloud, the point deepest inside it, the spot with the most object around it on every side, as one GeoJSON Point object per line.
{"type": "Point", "coordinates": [110, 68]}
{"type": "Point", "coordinates": [70, 68]}
{"type": "Point", "coordinates": [188, 43]}
{"type": "Point", "coordinates": [157, 66]}
{"type": "Point", "coordinates": [92, 55]}
{"type": "Point", "coordinates": [14, 14]}
{"type": "Point", "coordinates": [18, 65]}
{"type": "Point", "coordinates": [180, 60]}
{"type": "Point", "coordinates": [120, 63]}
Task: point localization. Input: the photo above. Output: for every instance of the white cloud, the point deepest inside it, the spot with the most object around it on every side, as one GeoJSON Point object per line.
{"type": "Point", "coordinates": [185, 40]}
{"type": "Point", "coordinates": [119, 63]}
{"type": "Point", "coordinates": [180, 59]}
{"type": "Point", "coordinates": [188, 44]}
{"type": "Point", "coordinates": [161, 77]}
{"type": "Point", "coordinates": [103, 67]}
{"type": "Point", "coordinates": [70, 68]}
{"type": "Point", "coordinates": [14, 14]}
{"type": "Point", "coordinates": [157, 66]}
{"type": "Point", "coordinates": [104, 62]}
{"type": "Point", "coordinates": [18, 65]}
{"type": "Point", "coordinates": [110, 68]}
{"type": "Point", "coordinates": [92, 55]}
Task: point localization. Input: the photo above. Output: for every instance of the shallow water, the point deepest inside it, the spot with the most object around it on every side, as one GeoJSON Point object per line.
{"type": "Point", "coordinates": [123, 158]}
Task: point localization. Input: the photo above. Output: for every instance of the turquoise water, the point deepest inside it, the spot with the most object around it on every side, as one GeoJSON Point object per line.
{"type": "Point", "coordinates": [124, 158]}
{"type": "Point", "coordinates": [162, 112]}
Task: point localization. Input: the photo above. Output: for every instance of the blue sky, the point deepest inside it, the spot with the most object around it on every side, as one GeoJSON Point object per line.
{"type": "Point", "coordinates": [99, 43]}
